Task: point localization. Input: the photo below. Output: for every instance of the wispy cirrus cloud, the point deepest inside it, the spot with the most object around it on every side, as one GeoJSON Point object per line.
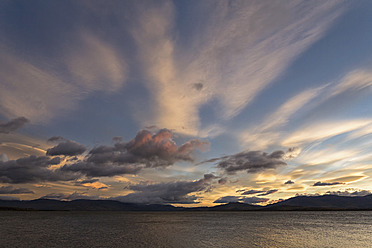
{"type": "Point", "coordinates": [40, 92]}
{"type": "Point", "coordinates": [321, 131]}
{"type": "Point", "coordinates": [232, 68]}
{"type": "Point", "coordinates": [268, 132]}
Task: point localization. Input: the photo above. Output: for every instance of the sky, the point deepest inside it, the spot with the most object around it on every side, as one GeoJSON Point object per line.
{"type": "Point", "coordinates": [189, 103]}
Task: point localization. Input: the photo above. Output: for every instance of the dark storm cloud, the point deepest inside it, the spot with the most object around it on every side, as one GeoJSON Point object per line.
{"type": "Point", "coordinates": [146, 150]}
{"type": "Point", "coordinates": [9, 190]}
{"type": "Point", "coordinates": [289, 182]}
{"type": "Point", "coordinates": [32, 169]}
{"type": "Point", "coordinates": [13, 125]}
{"type": "Point", "coordinates": [250, 161]}
{"type": "Point", "coordinates": [172, 192]}
{"type": "Point", "coordinates": [269, 192]}
{"type": "Point", "coordinates": [65, 147]}
{"type": "Point", "coordinates": [326, 184]}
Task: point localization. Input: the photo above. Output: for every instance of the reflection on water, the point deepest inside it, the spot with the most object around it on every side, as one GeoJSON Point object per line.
{"type": "Point", "coordinates": [186, 229]}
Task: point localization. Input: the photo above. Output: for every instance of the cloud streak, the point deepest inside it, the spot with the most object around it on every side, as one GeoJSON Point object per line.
{"type": "Point", "coordinates": [326, 183]}
{"type": "Point", "coordinates": [10, 190]}
{"type": "Point", "coordinates": [247, 200]}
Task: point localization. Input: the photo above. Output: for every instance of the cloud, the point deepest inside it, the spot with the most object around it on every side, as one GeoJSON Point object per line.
{"type": "Point", "coordinates": [9, 190]}
{"type": "Point", "coordinates": [146, 150]}
{"type": "Point", "coordinates": [172, 192]}
{"type": "Point", "coordinates": [3, 157]}
{"type": "Point", "coordinates": [69, 197]}
{"type": "Point", "coordinates": [66, 148]}
{"type": "Point", "coordinates": [222, 180]}
{"type": "Point", "coordinates": [269, 192]}
{"type": "Point", "coordinates": [8, 198]}
{"type": "Point", "coordinates": [247, 200]}
{"type": "Point", "coordinates": [322, 131]}
{"type": "Point", "coordinates": [94, 169]}
{"type": "Point", "coordinates": [227, 199]}
{"type": "Point", "coordinates": [348, 193]}
{"type": "Point", "coordinates": [354, 81]}
{"type": "Point", "coordinates": [91, 183]}
{"type": "Point", "coordinates": [96, 65]}
{"type": "Point", "coordinates": [348, 179]}
{"type": "Point", "coordinates": [254, 200]}
{"type": "Point", "coordinates": [267, 132]}
{"type": "Point", "coordinates": [326, 184]}
{"type": "Point", "coordinates": [252, 191]}
{"type": "Point", "coordinates": [198, 86]}
{"type": "Point", "coordinates": [32, 169]}
{"type": "Point", "coordinates": [259, 192]}
{"type": "Point", "coordinates": [13, 125]}
{"type": "Point", "coordinates": [250, 161]}
{"type": "Point", "coordinates": [289, 182]}
{"type": "Point", "coordinates": [222, 54]}
{"type": "Point", "coordinates": [40, 92]}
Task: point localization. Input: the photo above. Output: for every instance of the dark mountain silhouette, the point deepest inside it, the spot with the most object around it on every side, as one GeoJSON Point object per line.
{"type": "Point", "coordinates": [83, 205]}
{"type": "Point", "coordinates": [232, 206]}
{"type": "Point", "coordinates": [325, 202]}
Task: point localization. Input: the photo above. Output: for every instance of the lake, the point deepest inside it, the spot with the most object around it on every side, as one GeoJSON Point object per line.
{"type": "Point", "coordinates": [186, 229]}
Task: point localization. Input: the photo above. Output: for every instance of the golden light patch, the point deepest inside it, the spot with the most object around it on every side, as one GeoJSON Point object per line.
{"type": "Point", "coordinates": [297, 173]}
{"type": "Point", "coordinates": [300, 187]}
{"type": "Point", "coordinates": [265, 178]}
{"type": "Point", "coordinates": [17, 150]}
{"type": "Point", "coordinates": [96, 185]}
{"type": "Point", "coordinates": [349, 179]}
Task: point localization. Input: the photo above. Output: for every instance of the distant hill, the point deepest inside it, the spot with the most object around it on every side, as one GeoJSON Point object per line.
{"type": "Point", "coordinates": [83, 205]}
{"type": "Point", "coordinates": [325, 202]}
{"type": "Point", "coordinates": [232, 206]}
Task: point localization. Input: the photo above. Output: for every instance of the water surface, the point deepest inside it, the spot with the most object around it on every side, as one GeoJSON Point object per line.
{"type": "Point", "coordinates": [186, 229]}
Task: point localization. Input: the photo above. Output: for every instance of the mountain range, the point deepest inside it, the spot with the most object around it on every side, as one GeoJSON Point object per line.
{"type": "Point", "coordinates": [324, 202]}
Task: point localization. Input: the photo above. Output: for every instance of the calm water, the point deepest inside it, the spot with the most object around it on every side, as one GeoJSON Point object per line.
{"type": "Point", "coordinates": [188, 229]}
